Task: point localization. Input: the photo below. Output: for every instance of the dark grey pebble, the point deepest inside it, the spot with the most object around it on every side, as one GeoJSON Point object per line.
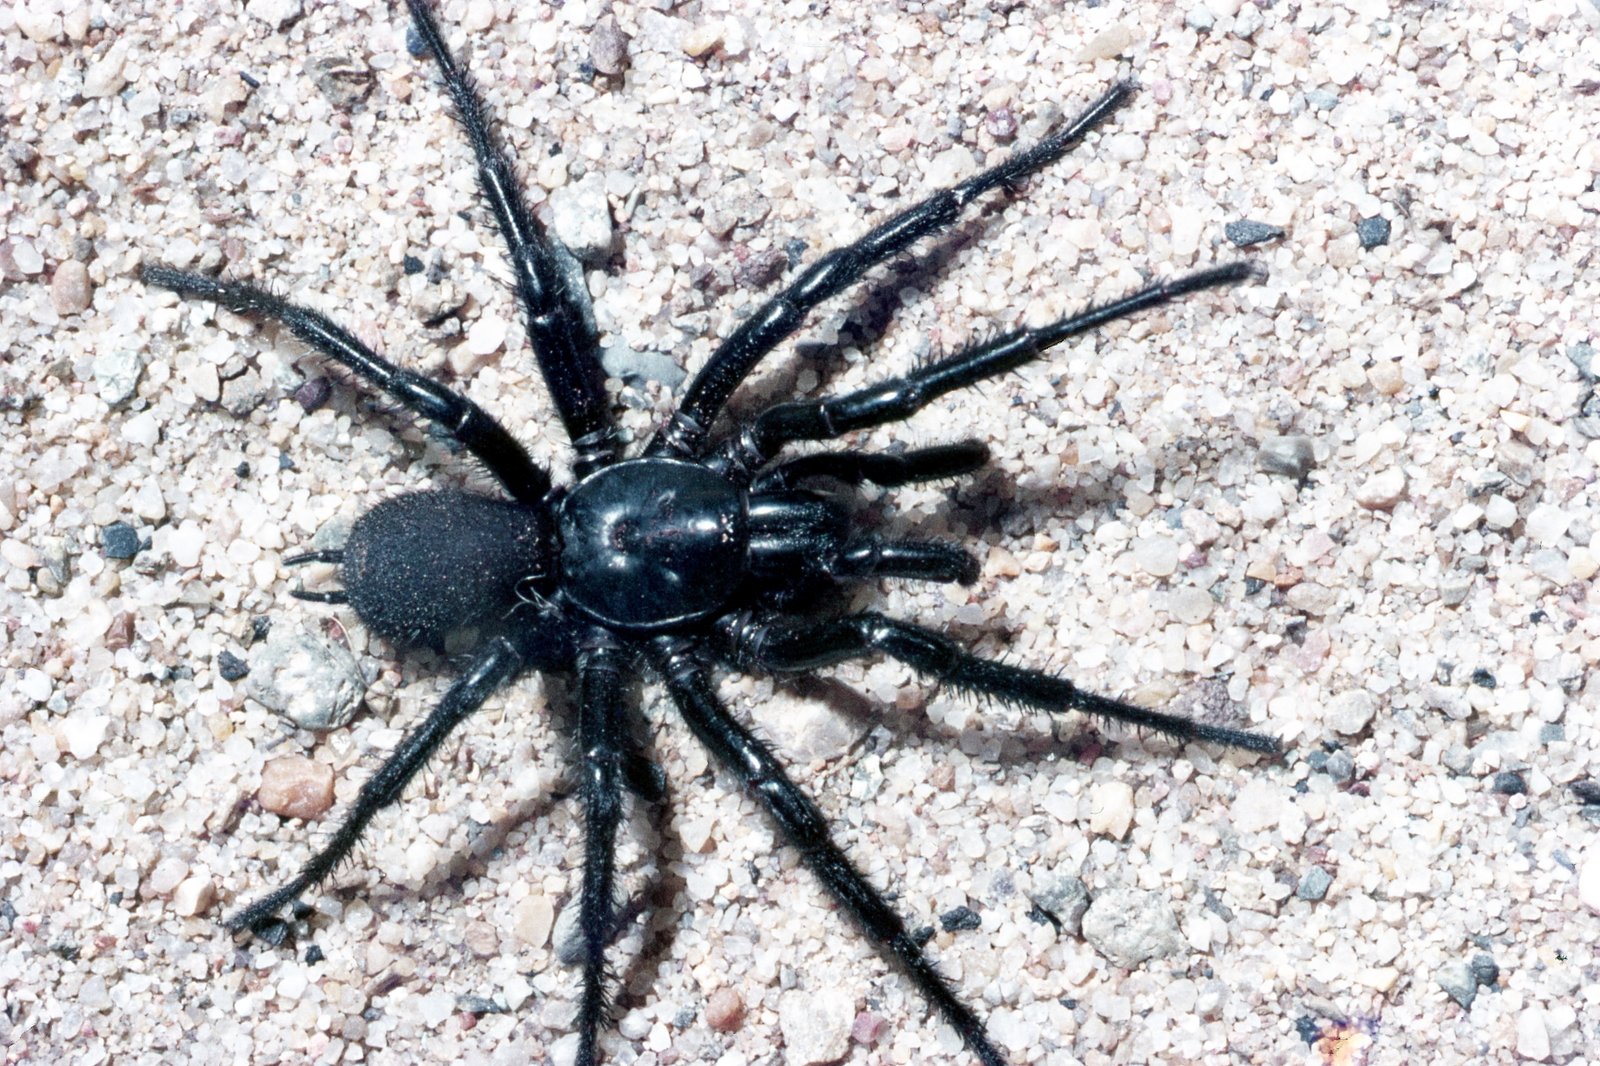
{"type": "Point", "coordinates": [1314, 884]}
{"type": "Point", "coordinates": [1373, 231]}
{"type": "Point", "coordinates": [1246, 232]}
{"type": "Point", "coordinates": [119, 541]}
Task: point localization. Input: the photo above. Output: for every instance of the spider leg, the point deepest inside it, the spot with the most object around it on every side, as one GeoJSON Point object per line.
{"type": "Point", "coordinates": [805, 828]}
{"type": "Point", "coordinates": [555, 312]}
{"type": "Point", "coordinates": [491, 669]}
{"type": "Point", "coordinates": [899, 398]}
{"type": "Point", "coordinates": [736, 357]}
{"type": "Point", "coordinates": [855, 467]}
{"type": "Point", "coordinates": [781, 645]}
{"type": "Point", "coordinates": [602, 676]}
{"type": "Point", "coordinates": [923, 560]}
{"type": "Point", "coordinates": [470, 425]}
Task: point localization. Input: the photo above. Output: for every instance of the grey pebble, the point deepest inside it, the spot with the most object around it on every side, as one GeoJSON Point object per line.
{"type": "Point", "coordinates": [309, 679]}
{"type": "Point", "coordinates": [1064, 899]}
{"type": "Point", "coordinates": [1510, 783]}
{"type": "Point", "coordinates": [1246, 232]}
{"type": "Point", "coordinates": [119, 541]}
{"type": "Point", "coordinates": [1292, 456]}
{"type": "Point", "coordinates": [1373, 231]}
{"type": "Point", "coordinates": [580, 217]}
{"type": "Point", "coordinates": [1314, 884]}
{"type": "Point", "coordinates": [116, 375]}
{"type": "Point", "coordinates": [621, 361]}
{"type": "Point", "coordinates": [608, 47]}
{"type": "Point", "coordinates": [1128, 926]}
{"type": "Point", "coordinates": [1322, 99]}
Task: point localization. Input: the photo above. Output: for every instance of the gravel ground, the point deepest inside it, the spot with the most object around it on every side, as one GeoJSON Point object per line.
{"type": "Point", "coordinates": [1354, 506]}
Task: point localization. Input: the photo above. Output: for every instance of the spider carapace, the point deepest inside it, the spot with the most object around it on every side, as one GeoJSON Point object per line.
{"type": "Point", "coordinates": [708, 548]}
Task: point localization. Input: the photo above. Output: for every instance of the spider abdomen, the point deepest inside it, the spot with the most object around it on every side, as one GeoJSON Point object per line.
{"type": "Point", "coordinates": [648, 544]}
{"type": "Point", "coordinates": [421, 565]}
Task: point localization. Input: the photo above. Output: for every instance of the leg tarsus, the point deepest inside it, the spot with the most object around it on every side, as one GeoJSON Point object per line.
{"type": "Point", "coordinates": [857, 467]}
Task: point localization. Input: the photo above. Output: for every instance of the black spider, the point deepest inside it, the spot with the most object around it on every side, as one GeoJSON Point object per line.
{"type": "Point", "coordinates": [705, 546]}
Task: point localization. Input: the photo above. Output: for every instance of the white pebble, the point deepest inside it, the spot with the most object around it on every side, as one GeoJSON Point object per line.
{"type": "Point", "coordinates": [186, 543]}
{"type": "Point", "coordinates": [1382, 491]}
{"type": "Point", "coordinates": [1190, 605]}
{"type": "Point", "coordinates": [1156, 556]}
{"type": "Point", "coordinates": [84, 734]}
{"type": "Point", "coordinates": [194, 896]}
{"type": "Point", "coordinates": [141, 429]}
{"type": "Point", "coordinates": [1111, 808]}
{"type": "Point", "coordinates": [1533, 1040]}
{"type": "Point", "coordinates": [1350, 712]}
{"type": "Point", "coordinates": [531, 920]}
{"type": "Point", "coordinates": [1499, 512]}
{"type": "Point", "coordinates": [816, 1025]}
{"type": "Point", "coordinates": [1258, 806]}
{"type": "Point", "coordinates": [1589, 882]}
{"type": "Point", "coordinates": [1547, 524]}
{"type": "Point", "coordinates": [35, 685]}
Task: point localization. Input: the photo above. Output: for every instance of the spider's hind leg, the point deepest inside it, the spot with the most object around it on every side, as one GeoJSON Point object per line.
{"type": "Point", "coordinates": [783, 646]}
{"type": "Point", "coordinates": [806, 830]}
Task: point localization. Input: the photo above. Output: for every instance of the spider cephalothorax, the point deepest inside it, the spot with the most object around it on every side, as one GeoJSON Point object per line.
{"type": "Point", "coordinates": [698, 550]}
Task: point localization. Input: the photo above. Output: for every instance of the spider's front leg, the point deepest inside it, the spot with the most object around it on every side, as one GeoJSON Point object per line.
{"type": "Point", "coordinates": [805, 829]}
{"type": "Point", "coordinates": [686, 432]}
{"type": "Point", "coordinates": [553, 309]}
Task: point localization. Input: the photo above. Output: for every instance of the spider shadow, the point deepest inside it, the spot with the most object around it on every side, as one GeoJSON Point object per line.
{"type": "Point", "coordinates": [653, 892]}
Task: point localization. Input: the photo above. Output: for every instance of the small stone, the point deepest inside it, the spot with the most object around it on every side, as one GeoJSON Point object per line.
{"type": "Point", "coordinates": [580, 218]}
{"type": "Point", "coordinates": [608, 47]}
{"type": "Point", "coordinates": [1258, 806]}
{"type": "Point", "coordinates": [119, 541]}
{"type": "Point", "coordinates": [1292, 456]}
{"type": "Point", "coordinates": [1547, 524]}
{"type": "Point", "coordinates": [116, 375]}
{"type": "Point", "coordinates": [1380, 492]}
{"type": "Point", "coordinates": [621, 361]}
{"type": "Point", "coordinates": [1156, 555]}
{"type": "Point", "coordinates": [1111, 809]}
{"type": "Point", "coordinates": [188, 540]}
{"type": "Point", "coordinates": [1340, 766]}
{"type": "Point", "coordinates": [1246, 232]}
{"type": "Point", "coordinates": [307, 678]}
{"type": "Point", "coordinates": [105, 75]}
{"type": "Point", "coordinates": [231, 667]}
{"type": "Point", "coordinates": [293, 786]}
{"type": "Point", "coordinates": [1373, 231]}
{"type": "Point", "coordinates": [1322, 99]}
{"type": "Point", "coordinates": [345, 82]}
{"type": "Point", "coordinates": [194, 896]}
{"type": "Point", "coordinates": [84, 733]}
{"type": "Point", "coordinates": [35, 685]}
{"type": "Point", "coordinates": [725, 1010]}
{"type": "Point", "coordinates": [1533, 1039]}
{"type": "Point", "coordinates": [1129, 926]}
{"type": "Point", "coordinates": [816, 1025]}
{"type": "Point", "coordinates": [1484, 969]}
{"type": "Point", "coordinates": [70, 291]}
{"type": "Point", "coordinates": [1109, 43]}
{"type": "Point", "coordinates": [1589, 881]}
{"type": "Point", "coordinates": [1351, 712]}
{"type": "Point", "coordinates": [699, 41]}
{"type": "Point", "coordinates": [1314, 884]}
{"type": "Point", "coordinates": [960, 919]}
{"type": "Point", "coordinates": [809, 730]}
{"type": "Point", "coordinates": [1063, 901]}
{"type": "Point", "coordinates": [532, 919]}
{"type": "Point", "coordinates": [1510, 783]}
